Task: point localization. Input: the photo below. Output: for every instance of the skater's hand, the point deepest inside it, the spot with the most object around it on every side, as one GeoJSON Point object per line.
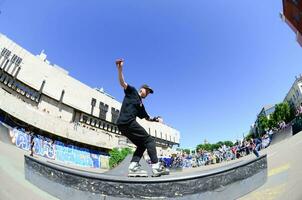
{"type": "Point", "coordinates": [119, 63]}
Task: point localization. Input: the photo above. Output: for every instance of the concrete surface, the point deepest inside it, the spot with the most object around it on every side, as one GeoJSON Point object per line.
{"type": "Point", "coordinates": [284, 173]}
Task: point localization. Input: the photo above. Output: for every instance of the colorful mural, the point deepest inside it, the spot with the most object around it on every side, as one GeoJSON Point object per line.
{"type": "Point", "coordinates": [57, 150]}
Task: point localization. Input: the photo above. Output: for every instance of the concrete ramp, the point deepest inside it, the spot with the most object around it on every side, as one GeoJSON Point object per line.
{"type": "Point", "coordinates": [228, 182]}
{"type": "Point", "coordinates": [282, 135]}
{"type": "Point", "coordinates": [4, 134]}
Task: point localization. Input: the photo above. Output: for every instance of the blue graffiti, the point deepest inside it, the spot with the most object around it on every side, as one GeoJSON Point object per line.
{"type": "Point", "coordinates": [22, 139]}
{"type": "Point", "coordinates": [44, 147]}
{"type": "Point", "coordinates": [76, 155]}
{"type": "Point", "coordinates": [58, 150]}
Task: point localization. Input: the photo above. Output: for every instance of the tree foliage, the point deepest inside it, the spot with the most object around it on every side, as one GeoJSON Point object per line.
{"type": "Point", "coordinates": [263, 122]}
{"type": "Point", "coordinates": [281, 113]}
{"type": "Point", "coordinates": [118, 155]}
{"type": "Point", "coordinates": [187, 151]}
{"type": "Point", "coordinates": [211, 147]}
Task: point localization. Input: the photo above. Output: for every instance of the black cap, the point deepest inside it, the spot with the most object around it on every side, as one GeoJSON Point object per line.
{"type": "Point", "coordinates": [147, 87]}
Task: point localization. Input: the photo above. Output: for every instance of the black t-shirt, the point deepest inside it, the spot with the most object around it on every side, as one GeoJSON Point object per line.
{"type": "Point", "coordinates": [132, 107]}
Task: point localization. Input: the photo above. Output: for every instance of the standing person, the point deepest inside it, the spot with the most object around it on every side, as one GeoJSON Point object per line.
{"type": "Point", "coordinates": [32, 142]}
{"type": "Point", "coordinates": [133, 107]}
{"type": "Point", "coordinates": [270, 135]}
{"type": "Point", "coordinates": [256, 145]}
{"type": "Point", "coordinates": [299, 110]}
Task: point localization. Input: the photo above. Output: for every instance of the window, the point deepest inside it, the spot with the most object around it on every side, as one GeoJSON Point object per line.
{"type": "Point", "coordinates": [93, 102]}
{"type": "Point", "coordinates": [21, 88]}
{"type": "Point", "coordinates": [161, 135]}
{"type": "Point", "coordinates": [14, 58]}
{"type": "Point", "coordinates": [93, 122]}
{"type": "Point", "coordinates": [5, 52]}
{"type": "Point", "coordinates": [155, 133]}
{"type": "Point", "coordinates": [103, 110]}
{"type": "Point", "coordinates": [114, 115]}
{"type": "Point", "coordinates": [149, 131]}
{"type": "Point", "coordinates": [85, 118]}
{"type": "Point", "coordinates": [18, 61]}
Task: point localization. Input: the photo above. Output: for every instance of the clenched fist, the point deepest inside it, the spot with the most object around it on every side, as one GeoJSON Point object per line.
{"type": "Point", "coordinates": [119, 63]}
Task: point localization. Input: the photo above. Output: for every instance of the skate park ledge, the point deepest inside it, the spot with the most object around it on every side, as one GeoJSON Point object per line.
{"type": "Point", "coordinates": [228, 182]}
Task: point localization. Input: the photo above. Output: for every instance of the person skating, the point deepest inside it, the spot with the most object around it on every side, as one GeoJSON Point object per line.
{"type": "Point", "coordinates": [133, 107]}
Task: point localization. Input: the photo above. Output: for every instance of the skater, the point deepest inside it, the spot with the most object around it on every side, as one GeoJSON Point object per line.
{"type": "Point", "coordinates": [133, 107]}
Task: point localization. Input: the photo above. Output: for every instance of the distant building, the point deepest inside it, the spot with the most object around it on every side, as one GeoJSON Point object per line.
{"type": "Point", "coordinates": [294, 95]}
{"type": "Point", "coordinates": [266, 111]}
{"type": "Point", "coordinates": [292, 15]}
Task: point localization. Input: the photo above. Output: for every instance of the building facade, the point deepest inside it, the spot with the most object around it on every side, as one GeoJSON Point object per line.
{"type": "Point", "coordinates": [45, 96]}
{"type": "Point", "coordinates": [266, 111]}
{"type": "Point", "coordinates": [294, 95]}
{"type": "Point", "coordinates": [292, 15]}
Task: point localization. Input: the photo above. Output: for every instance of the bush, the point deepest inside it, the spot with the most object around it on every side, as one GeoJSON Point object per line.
{"type": "Point", "coordinates": [118, 155]}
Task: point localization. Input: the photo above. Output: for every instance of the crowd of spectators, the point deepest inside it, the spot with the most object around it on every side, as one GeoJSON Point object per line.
{"type": "Point", "coordinates": [299, 111]}
{"type": "Point", "coordinates": [222, 154]}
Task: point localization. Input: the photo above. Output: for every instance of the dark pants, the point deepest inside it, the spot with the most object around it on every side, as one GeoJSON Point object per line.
{"type": "Point", "coordinates": [257, 149]}
{"type": "Point", "coordinates": [139, 136]}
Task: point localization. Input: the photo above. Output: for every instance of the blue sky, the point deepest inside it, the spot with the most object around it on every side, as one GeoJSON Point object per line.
{"type": "Point", "coordinates": [212, 64]}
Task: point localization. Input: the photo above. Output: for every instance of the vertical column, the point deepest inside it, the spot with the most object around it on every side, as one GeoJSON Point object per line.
{"type": "Point", "coordinates": [41, 90]}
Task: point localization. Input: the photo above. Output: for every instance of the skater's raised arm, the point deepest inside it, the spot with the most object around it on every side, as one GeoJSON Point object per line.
{"type": "Point", "coordinates": [119, 64]}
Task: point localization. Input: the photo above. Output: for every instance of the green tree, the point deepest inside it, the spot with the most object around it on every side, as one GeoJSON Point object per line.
{"type": "Point", "coordinates": [272, 123]}
{"type": "Point", "coordinates": [263, 123]}
{"type": "Point", "coordinates": [211, 147]}
{"type": "Point", "coordinates": [118, 155]}
{"type": "Point", "coordinates": [229, 143]}
{"type": "Point", "coordinates": [187, 151]}
{"type": "Point", "coordinates": [249, 136]}
{"type": "Point", "coordinates": [282, 113]}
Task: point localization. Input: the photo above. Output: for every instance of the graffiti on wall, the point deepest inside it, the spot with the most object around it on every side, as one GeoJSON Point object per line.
{"type": "Point", "coordinates": [20, 139]}
{"type": "Point", "coordinates": [57, 150]}
{"type": "Point", "coordinates": [76, 155]}
{"type": "Point", "coordinates": [44, 147]}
